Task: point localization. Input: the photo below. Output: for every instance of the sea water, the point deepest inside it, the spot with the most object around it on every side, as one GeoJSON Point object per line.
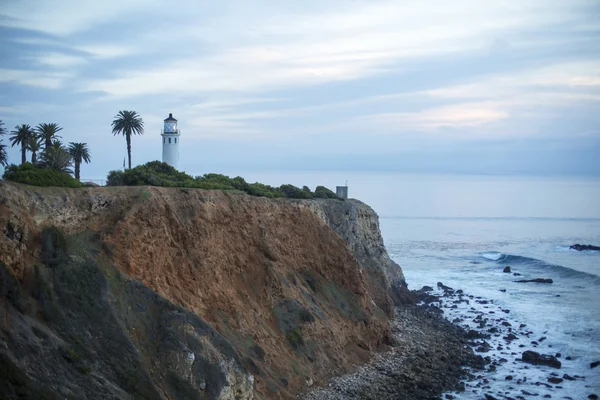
{"type": "Point", "coordinates": [463, 230]}
{"type": "Point", "coordinates": [527, 224]}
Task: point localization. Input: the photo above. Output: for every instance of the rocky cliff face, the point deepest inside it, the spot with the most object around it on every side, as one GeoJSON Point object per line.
{"type": "Point", "coordinates": [358, 225]}
{"type": "Point", "coordinates": [143, 292]}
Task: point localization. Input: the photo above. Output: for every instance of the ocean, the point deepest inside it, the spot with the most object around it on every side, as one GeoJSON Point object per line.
{"type": "Point", "coordinates": [463, 230]}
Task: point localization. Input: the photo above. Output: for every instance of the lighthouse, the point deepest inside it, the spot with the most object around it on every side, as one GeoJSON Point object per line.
{"type": "Point", "coordinates": [170, 145]}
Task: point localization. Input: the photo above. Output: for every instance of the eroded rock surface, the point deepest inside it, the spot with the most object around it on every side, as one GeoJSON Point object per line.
{"type": "Point", "coordinates": [143, 292]}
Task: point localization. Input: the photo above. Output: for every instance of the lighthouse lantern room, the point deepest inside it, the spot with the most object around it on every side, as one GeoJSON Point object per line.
{"type": "Point", "coordinates": [170, 145]}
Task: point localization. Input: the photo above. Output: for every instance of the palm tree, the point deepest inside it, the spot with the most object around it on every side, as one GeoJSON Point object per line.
{"type": "Point", "coordinates": [48, 132]}
{"type": "Point", "coordinates": [59, 144]}
{"type": "Point", "coordinates": [34, 145]}
{"type": "Point", "coordinates": [3, 154]}
{"type": "Point", "coordinates": [79, 152]}
{"type": "Point", "coordinates": [128, 123]}
{"type": "Point", "coordinates": [20, 136]}
{"type": "Point", "coordinates": [56, 158]}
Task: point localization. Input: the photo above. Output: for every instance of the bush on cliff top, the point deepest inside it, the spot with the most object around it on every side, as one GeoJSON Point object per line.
{"type": "Point", "coordinates": [31, 175]}
{"type": "Point", "coordinates": [156, 173]}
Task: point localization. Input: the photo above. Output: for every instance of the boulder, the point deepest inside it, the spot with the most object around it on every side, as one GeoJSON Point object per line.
{"type": "Point", "coordinates": [536, 280]}
{"type": "Point", "coordinates": [506, 270]}
{"type": "Point", "coordinates": [594, 364]}
{"type": "Point", "coordinates": [532, 357]}
{"type": "Point", "coordinates": [584, 247]}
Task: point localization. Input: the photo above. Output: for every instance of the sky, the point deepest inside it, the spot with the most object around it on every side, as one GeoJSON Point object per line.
{"type": "Point", "coordinates": [493, 87]}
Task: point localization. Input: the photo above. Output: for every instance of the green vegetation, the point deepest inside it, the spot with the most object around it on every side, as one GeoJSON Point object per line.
{"type": "Point", "coordinates": [31, 175]}
{"type": "Point", "coordinates": [20, 137]}
{"type": "Point", "coordinates": [295, 338]}
{"type": "Point", "coordinates": [34, 145]}
{"type": "Point", "coordinates": [128, 123]}
{"type": "Point", "coordinates": [53, 166]}
{"type": "Point", "coordinates": [48, 133]}
{"type": "Point", "coordinates": [322, 192]}
{"type": "Point", "coordinates": [3, 155]}
{"type": "Point", "coordinates": [80, 153]}
{"type": "Point", "coordinates": [56, 158]}
{"type": "Point", "coordinates": [156, 173]}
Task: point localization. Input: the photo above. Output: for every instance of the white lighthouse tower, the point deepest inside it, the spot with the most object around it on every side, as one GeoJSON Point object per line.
{"type": "Point", "coordinates": [170, 147]}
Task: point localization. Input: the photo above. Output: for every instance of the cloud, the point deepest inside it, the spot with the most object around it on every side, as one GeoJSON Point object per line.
{"type": "Point", "coordinates": [65, 17]}
{"type": "Point", "coordinates": [278, 50]}
{"type": "Point", "coordinates": [41, 79]}
{"type": "Point", "coordinates": [105, 51]}
{"type": "Point", "coordinates": [379, 74]}
{"type": "Point", "coordinates": [58, 60]}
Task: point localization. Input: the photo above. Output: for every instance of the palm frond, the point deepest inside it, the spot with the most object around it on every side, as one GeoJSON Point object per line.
{"type": "Point", "coordinates": [56, 158]}
{"type": "Point", "coordinates": [21, 135]}
{"type": "Point", "coordinates": [3, 155]}
{"type": "Point", "coordinates": [128, 123]}
{"type": "Point", "coordinates": [80, 152]}
{"type": "Point", "coordinates": [47, 132]}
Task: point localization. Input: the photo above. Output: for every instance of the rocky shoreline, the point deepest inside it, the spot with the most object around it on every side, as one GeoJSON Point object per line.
{"type": "Point", "coordinates": [430, 355]}
{"type": "Point", "coordinates": [476, 352]}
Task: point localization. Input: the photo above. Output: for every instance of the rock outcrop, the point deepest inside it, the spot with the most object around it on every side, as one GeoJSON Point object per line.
{"type": "Point", "coordinates": [358, 225]}
{"type": "Point", "coordinates": [144, 292]}
{"type": "Point", "coordinates": [584, 247]}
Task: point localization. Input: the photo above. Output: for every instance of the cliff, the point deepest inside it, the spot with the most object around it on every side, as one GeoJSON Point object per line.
{"type": "Point", "coordinates": [145, 292]}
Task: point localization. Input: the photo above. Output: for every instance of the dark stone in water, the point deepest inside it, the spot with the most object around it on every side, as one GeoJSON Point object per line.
{"type": "Point", "coordinates": [503, 290]}
{"type": "Point", "coordinates": [509, 378]}
{"type": "Point", "coordinates": [506, 270]}
{"type": "Point", "coordinates": [517, 274]}
{"type": "Point", "coordinates": [510, 337]}
{"type": "Point", "coordinates": [595, 364]}
{"type": "Point", "coordinates": [536, 280]}
{"type": "Point", "coordinates": [426, 289]}
{"type": "Point", "coordinates": [489, 397]}
{"type": "Point", "coordinates": [535, 358]}
{"type": "Point", "coordinates": [445, 288]}
{"type": "Point", "coordinates": [555, 380]}
{"type": "Point", "coordinates": [568, 377]}
{"type": "Point", "coordinates": [593, 397]}
{"type": "Point", "coordinates": [582, 247]}
{"type": "Point", "coordinates": [472, 334]}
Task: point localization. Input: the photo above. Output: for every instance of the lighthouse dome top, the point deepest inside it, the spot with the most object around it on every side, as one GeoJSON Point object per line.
{"type": "Point", "coordinates": [170, 118]}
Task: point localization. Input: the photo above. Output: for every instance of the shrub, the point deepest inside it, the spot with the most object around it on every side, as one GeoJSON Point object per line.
{"type": "Point", "coordinates": [31, 175]}
{"type": "Point", "coordinates": [156, 173]}
{"type": "Point", "coordinates": [295, 338]}
{"type": "Point", "coordinates": [322, 192]}
{"type": "Point", "coordinates": [293, 192]}
{"type": "Point", "coordinates": [259, 189]}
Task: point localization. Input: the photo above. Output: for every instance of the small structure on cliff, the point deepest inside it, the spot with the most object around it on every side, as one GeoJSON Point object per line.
{"type": "Point", "coordinates": [342, 191]}
{"type": "Point", "coordinates": [170, 145]}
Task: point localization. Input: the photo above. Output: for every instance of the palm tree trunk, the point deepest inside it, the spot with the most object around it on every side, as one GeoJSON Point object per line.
{"type": "Point", "coordinates": [77, 165]}
{"type": "Point", "coordinates": [33, 157]}
{"type": "Point", "coordinates": [23, 154]}
{"type": "Point", "coordinates": [48, 141]}
{"type": "Point", "coordinates": [128, 137]}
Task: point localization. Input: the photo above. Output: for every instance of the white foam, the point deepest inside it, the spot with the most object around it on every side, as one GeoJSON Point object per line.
{"type": "Point", "coordinates": [492, 256]}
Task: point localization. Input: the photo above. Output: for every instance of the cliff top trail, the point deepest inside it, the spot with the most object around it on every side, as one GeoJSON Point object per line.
{"type": "Point", "coordinates": [146, 292]}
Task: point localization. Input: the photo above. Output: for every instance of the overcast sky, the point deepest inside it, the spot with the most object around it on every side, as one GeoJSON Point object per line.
{"type": "Point", "coordinates": [510, 86]}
